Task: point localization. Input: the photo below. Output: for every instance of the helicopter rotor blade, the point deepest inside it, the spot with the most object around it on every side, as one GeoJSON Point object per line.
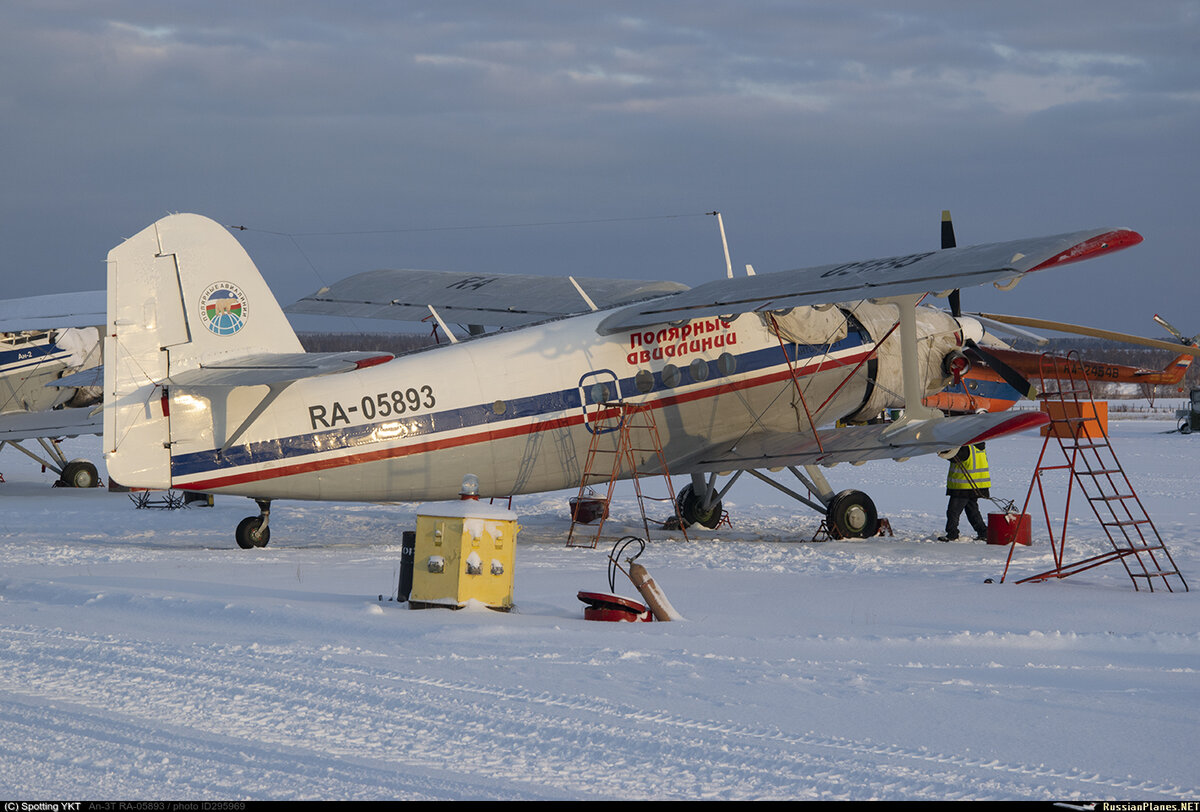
{"type": "Point", "coordinates": [1063, 327]}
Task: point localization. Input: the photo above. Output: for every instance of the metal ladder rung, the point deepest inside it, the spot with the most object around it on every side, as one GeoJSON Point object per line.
{"type": "Point", "coordinates": [1128, 523]}
{"type": "Point", "coordinates": [1149, 548]}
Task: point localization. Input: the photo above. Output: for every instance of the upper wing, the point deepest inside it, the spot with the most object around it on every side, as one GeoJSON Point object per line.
{"type": "Point", "coordinates": [80, 309]}
{"type": "Point", "coordinates": [941, 270]}
{"type": "Point", "coordinates": [50, 423]}
{"type": "Point", "coordinates": [859, 443]}
{"type": "Point", "coordinates": [502, 300]}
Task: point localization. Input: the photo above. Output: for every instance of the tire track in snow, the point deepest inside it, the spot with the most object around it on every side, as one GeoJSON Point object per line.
{"type": "Point", "coordinates": [57, 748]}
{"type": "Point", "coordinates": [334, 722]}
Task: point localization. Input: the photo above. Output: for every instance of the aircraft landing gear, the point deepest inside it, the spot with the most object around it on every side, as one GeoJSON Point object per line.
{"type": "Point", "coordinates": [79, 474]}
{"type": "Point", "coordinates": [852, 514]}
{"type": "Point", "coordinates": [253, 531]}
{"type": "Point", "coordinates": [692, 510]}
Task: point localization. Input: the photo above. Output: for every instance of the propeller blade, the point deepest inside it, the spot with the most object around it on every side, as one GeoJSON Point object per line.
{"type": "Point", "coordinates": [947, 230]}
{"type": "Point", "coordinates": [1011, 377]}
{"type": "Point", "coordinates": [1063, 327]}
{"type": "Point", "coordinates": [948, 242]}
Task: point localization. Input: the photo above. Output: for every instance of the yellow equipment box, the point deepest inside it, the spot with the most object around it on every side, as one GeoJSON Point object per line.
{"type": "Point", "coordinates": [465, 551]}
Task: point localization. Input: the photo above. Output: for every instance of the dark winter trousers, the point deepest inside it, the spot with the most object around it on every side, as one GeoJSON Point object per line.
{"type": "Point", "coordinates": [955, 508]}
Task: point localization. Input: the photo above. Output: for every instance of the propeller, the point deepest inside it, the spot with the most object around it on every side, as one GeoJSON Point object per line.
{"type": "Point", "coordinates": [971, 350]}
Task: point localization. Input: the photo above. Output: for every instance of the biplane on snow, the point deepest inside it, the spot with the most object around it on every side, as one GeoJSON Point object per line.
{"type": "Point", "coordinates": [206, 387]}
{"type": "Point", "coordinates": [50, 382]}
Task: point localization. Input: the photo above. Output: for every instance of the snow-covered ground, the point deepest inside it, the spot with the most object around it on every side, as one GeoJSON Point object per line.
{"type": "Point", "coordinates": [143, 655]}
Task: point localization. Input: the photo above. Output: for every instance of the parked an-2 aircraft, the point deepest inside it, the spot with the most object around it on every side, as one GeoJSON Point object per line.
{"type": "Point", "coordinates": [206, 387]}
{"type": "Point", "coordinates": [50, 356]}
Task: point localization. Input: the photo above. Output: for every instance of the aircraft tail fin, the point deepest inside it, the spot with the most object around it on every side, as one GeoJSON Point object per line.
{"type": "Point", "coordinates": [181, 292]}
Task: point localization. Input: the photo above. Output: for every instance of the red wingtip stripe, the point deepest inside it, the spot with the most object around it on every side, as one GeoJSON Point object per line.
{"type": "Point", "coordinates": [373, 361]}
{"type": "Point", "coordinates": [1022, 421]}
{"type": "Point", "coordinates": [1097, 246]}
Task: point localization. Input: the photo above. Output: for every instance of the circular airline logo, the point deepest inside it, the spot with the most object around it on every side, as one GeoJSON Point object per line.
{"type": "Point", "coordinates": [223, 308]}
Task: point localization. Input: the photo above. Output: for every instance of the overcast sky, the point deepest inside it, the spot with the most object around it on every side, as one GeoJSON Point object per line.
{"type": "Point", "coordinates": [589, 138]}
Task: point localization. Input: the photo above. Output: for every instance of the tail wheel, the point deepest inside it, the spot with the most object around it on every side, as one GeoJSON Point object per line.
{"type": "Point", "coordinates": [691, 509]}
{"type": "Point", "coordinates": [251, 533]}
{"type": "Point", "coordinates": [852, 514]}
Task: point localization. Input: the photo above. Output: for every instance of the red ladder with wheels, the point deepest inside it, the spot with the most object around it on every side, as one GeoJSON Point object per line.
{"type": "Point", "coordinates": [1091, 463]}
{"type": "Point", "coordinates": [613, 432]}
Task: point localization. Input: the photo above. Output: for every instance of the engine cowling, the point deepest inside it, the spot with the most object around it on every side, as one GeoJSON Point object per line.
{"type": "Point", "coordinates": [940, 338]}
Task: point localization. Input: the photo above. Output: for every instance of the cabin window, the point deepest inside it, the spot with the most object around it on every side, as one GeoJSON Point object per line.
{"type": "Point", "coordinates": [698, 369]}
{"type": "Point", "coordinates": [671, 375]}
{"type": "Point", "coordinates": [644, 381]}
{"type": "Point", "coordinates": [726, 364]}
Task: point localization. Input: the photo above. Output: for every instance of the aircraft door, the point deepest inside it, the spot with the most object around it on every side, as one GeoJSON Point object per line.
{"type": "Point", "coordinates": [599, 391]}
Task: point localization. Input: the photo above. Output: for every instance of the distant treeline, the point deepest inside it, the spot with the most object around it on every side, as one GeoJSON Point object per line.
{"type": "Point", "coordinates": [397, 343]}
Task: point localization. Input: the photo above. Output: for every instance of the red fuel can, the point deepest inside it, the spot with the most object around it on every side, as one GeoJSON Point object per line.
{"type": "Point", "coordinates": [1009, 528]}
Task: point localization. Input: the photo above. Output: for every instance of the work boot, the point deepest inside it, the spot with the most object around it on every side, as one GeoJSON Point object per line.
{"type": "Point", "coordinates": [948, 537]}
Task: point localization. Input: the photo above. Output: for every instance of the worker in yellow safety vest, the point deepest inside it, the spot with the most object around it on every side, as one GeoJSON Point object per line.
{"type": "Point", "coordinates": [967, 481]}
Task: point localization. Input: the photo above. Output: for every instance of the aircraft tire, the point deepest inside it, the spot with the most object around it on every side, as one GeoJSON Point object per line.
{"type": "Point", "coordinates": [852, 514]}
{"type": "Point", "coordinates": [79, 474]}
{"type": "Point", "coordinates": [690, 510]}
{"type": "Point", "coordinates": [248, 536]}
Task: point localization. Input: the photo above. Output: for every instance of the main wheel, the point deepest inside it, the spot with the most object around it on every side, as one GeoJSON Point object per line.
{"type": "Point", "coordinates": [691, 509]}
{"type": "Point", "coordinates": [251, 533]}
{"type": "Point", "coordinates": [79, 474]}
{"type": "Point", "coordinates": [852, 514]}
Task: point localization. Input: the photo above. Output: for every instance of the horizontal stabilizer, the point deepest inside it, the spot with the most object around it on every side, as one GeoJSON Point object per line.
{"type": "Point", "coordinates": [271, 368]}
{"type": "Point", "coordinates": [859, 443]}
{"type": "Point", "coordinates": [500, 300]}
{"type": "Point", "coordinates": [92, 376]}
{"type": "Point", "coordinates": [931, 271]}
{"type": "Point", "coordinates": [53, 311]}
{"type": "Point", "coordinates": [15, 426]}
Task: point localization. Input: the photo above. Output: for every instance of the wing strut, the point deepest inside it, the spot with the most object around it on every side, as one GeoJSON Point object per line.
{"type": "Point", "coordinates": [445, 329]}
{"type": "Point", "coordinates": [914, 391]}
